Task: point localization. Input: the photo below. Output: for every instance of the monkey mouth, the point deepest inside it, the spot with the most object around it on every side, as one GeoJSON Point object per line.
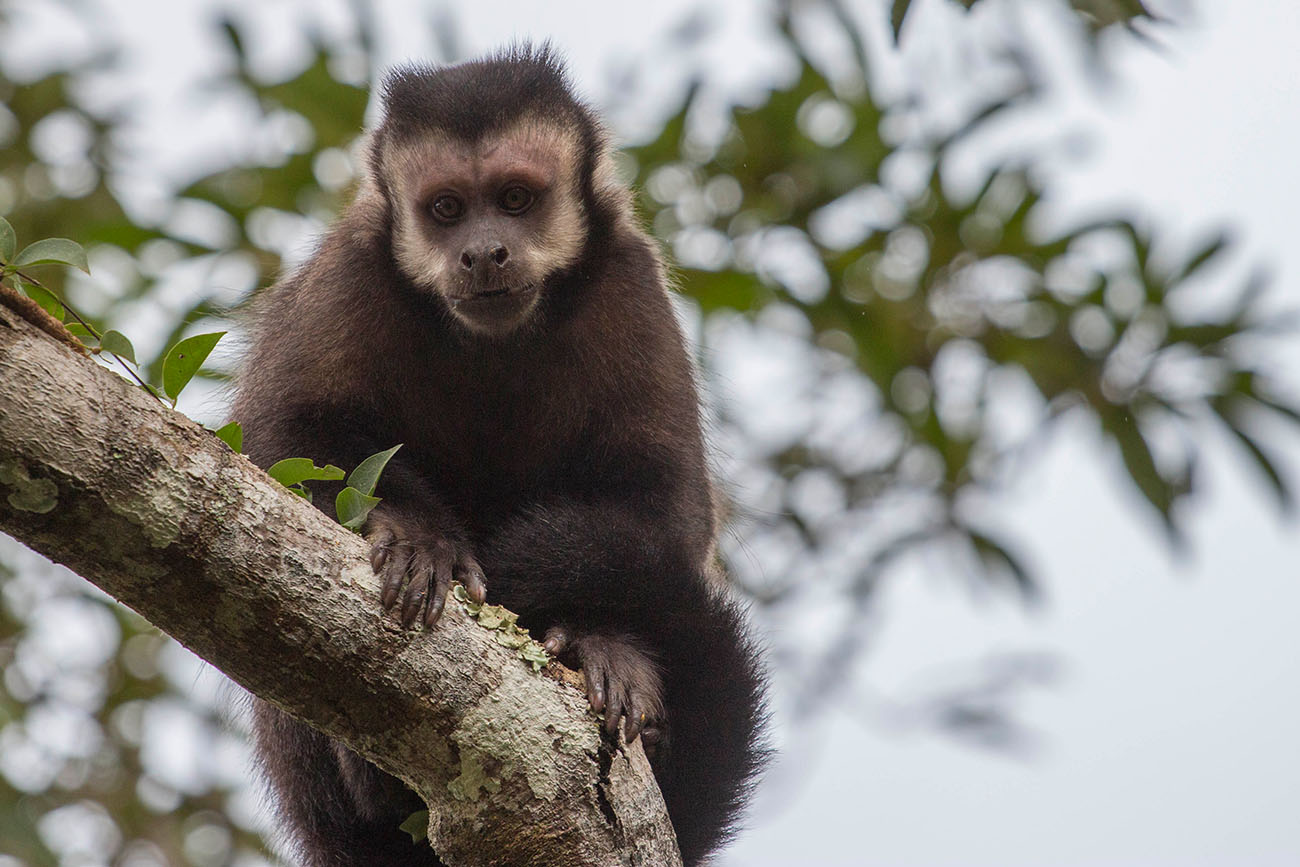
{"type": "Point", "coordinates": [492, 296]}
{"type": "Point", "coordinates": [496, 311]}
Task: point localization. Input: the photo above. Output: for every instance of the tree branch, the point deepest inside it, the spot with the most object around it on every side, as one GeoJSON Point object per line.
{"type": "Point", "coordinates": [155, 510]}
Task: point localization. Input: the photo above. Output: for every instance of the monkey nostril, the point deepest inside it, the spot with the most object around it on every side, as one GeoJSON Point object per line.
{"type": "Point", "coordinates": [467, 261]}
{"type": "Point", "coordinates": [500, 255]}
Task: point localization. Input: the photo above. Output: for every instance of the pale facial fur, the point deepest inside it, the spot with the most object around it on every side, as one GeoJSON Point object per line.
{"type": "Point", "coordinates": [534, 149]}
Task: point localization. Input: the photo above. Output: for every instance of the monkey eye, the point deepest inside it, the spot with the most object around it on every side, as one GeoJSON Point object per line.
{"type": "Point", "coordinates": [447, 208]}
{"type": "Point", "coordinates": [516, 199]}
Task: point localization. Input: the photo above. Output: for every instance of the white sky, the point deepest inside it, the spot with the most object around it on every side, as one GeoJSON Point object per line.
{"type": "Point", "coordinates": [1171, 737]}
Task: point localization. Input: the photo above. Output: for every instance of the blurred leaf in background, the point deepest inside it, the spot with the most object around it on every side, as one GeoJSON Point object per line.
{"type": "Point", "coordinates": [1096, 14]}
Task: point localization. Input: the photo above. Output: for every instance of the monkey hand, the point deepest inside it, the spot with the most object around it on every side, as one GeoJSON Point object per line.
{"type": "Point", "coordinates": [623, 681]}
{"type": "Point", "coordinates": [405, 552]}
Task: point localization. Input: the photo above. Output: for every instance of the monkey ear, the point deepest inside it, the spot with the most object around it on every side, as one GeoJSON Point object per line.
{"type": "Point", "coordinates": [607, 185]}
{"type": "Point", "coordinates": [369, 150]}
{"type": "Point", "coordinates": [372, 190]}
{"type": "Point", "coordinates": [401, 80]}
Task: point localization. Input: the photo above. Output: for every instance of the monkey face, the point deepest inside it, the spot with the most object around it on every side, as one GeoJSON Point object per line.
{"type": "Point", "coordinates": [484, 223]}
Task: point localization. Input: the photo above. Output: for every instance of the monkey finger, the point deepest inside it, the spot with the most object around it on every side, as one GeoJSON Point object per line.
{"type": "Point", "coordinates": [614, 708]}
{"type": "Point", "coordinates": [469, 573]}
{"type": "Point", "coordinates": [438, 595]}
{"type": "Point", "coordinates": [416, 592]}
{"type": "Point", "coordinates": [396, 566]}
{"type": "Point", "coordinates": [437, 601]}
{"type": "Point", "coordinates": [381, 545]}
{"type": "Point", "coordinates": [595, 674]}
{"type": "Point", "coordinates": [650, 739]}
{"type": "Point", "coordinates": [556, 641]}
{"type": "Point", "coordinates": [636, 718]}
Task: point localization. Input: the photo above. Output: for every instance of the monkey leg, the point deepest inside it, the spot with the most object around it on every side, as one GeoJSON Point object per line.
{"type": "Point", "coordinates": [628, 578]}
{"type": "Point", "coordinates": [336, 809]}
{"type": "Point", "coordinates": [623, 680]}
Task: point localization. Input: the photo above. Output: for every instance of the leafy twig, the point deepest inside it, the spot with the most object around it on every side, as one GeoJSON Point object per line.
{"type": "Point", "coordinates": [93, 332]}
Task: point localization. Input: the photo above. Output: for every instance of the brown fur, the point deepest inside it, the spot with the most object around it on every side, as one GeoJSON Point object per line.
{"type": "Point", "coordinates": [556, 454]}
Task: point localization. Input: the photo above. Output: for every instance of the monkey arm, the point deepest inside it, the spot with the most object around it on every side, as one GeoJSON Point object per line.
{"type": "Point", "coordinates": [622, 533]}
{"type": "Point", "coordinates": [599, 564]}
{"type": "Point", "coordinates": [418, 542]}
{"type": "Point", "coordinates": [605, 585]}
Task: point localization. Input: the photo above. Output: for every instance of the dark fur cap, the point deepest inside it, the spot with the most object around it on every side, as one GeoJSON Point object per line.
{"type": "Point", "coordinates": [474, 99]}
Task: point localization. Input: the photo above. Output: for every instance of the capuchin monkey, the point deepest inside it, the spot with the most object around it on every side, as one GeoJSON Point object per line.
{"type": "Point", "coordinates": [489, 301]}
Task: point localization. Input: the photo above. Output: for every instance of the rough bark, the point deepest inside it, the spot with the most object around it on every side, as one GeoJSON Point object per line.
{"type": "Point", "coordinates": [97, 475]}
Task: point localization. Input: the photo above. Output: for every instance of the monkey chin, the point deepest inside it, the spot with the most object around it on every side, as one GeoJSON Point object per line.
{"type": "Point", "coordinates": [495, 314]}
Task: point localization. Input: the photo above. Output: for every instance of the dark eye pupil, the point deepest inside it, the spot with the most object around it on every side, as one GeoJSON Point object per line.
{"type": "Point", "coordinates": [447, 207]}
{"type": "Point", "coordinates": [516, 199]}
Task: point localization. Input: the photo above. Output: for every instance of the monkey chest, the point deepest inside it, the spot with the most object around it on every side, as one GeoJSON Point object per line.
{"type": "Point", "coordinates": [492, 457]}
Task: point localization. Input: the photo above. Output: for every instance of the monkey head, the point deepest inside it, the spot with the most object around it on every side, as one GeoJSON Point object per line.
{"type": "Point", "coordinates": [487, 170]}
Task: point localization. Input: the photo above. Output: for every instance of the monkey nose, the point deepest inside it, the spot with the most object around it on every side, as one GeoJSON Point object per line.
{"type": "Point", "coordinates": [494, 253]}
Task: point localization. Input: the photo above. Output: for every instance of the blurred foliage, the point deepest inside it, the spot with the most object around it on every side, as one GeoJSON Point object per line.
{"type": "Point", "coordinates": [1097, 14]}
{"type": "Point", "coordinates": [928, 301]}
{"type": "Point", "coordinates": [935, 280]}
{"type": "Point", "coordinates": [62, 192]}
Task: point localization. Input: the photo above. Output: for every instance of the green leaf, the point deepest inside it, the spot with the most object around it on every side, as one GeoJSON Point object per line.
{"type": "Point", "coordinates": [48, 300]}
{"type": "Point", "coordinates": [232, 35]}
{"type": "Point", "coordinates": [8, 241]}
{"type": "Point", "coordinates": [117, 343]}
{"type": "Point", "coordinates": [1201, 258]}
{"type": "Point", "coordinates": [716, 290]}
{"type": "Point", "coordinates": [1228, 411]}
{"type": "Point", "coordinates": [1103, 13]}
{"type": "Point", "coordinates": [184, 360]}
{"type": "Point", "coordinates": [295, 471]}
{"type": "Point", "coordinates": [78, 330]}
{"type": "Point", "coordinates": [417, 825]}
{"type": "Point", "coordinates": [301, 491]}
{"type": "Point", "coordinates": [1141, 467]}
{"type": "Point", "coordinates": [232, 434]}
{"type": "Point", "coordinates": [897, 15]}
{"type": "Point", "coordinates": [53, 251]}
{"type": "Point", "coordinates": [1268, 467]}
{"type": "Point", "coordinates": [353, 507]}
{"type": "Point", "coordinates": [999, 561]}
{"type": "Point", "coordinates": [366, 475]}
